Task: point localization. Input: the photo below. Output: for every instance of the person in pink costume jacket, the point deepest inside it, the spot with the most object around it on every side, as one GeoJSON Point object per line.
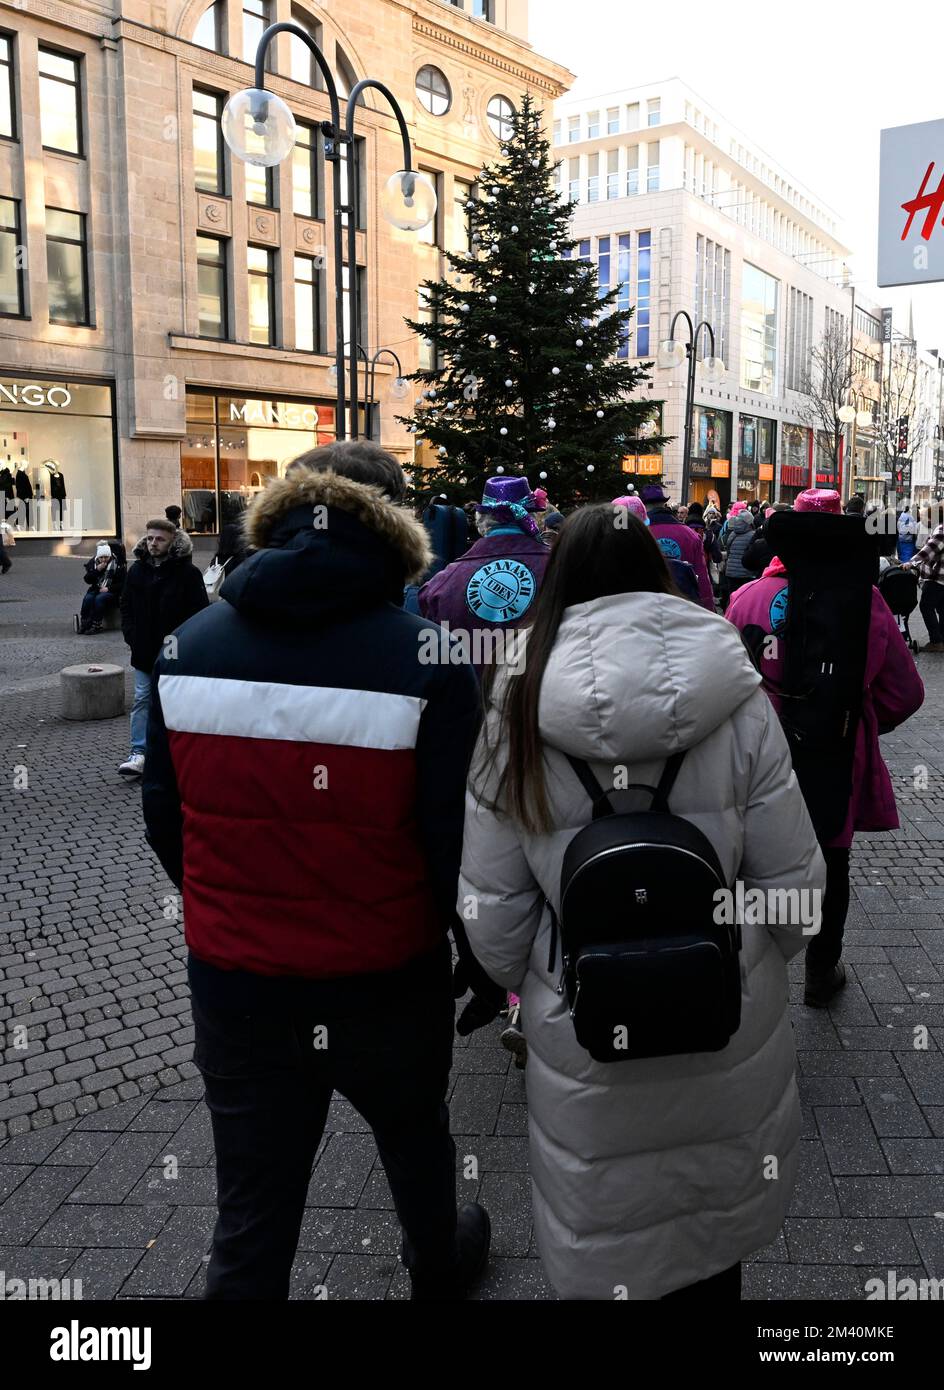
{"type": "Point", "coordinates": [893, 692]}
{"type": "Point", "coordinates": [677, 542]}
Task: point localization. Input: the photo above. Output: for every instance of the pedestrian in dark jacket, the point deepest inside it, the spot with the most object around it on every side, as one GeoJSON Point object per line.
{"type": "Point", "coordinates": [736, 537]}
{"type": "Point", "coordinates": [306, 761]}
{"type": "Point", "coordinates": [488, 591]}
{"type": "Point", "coordinates": [163, 588]}
{"type": "Point", "coordinates": [105, 576]}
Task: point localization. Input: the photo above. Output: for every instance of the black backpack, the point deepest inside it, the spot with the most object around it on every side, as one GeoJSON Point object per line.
{"type": "Point", "coordinates": [647, 969]}
{"type": "Point", "coordinates": [832, 564]}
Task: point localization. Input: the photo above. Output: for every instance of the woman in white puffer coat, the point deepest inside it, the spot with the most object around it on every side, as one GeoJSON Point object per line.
{"type": "Point", "coordinates": [648, 1176]}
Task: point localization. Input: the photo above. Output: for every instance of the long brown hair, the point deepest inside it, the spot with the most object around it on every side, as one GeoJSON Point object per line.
{"type": "Point", "coordinates": [601, 550]}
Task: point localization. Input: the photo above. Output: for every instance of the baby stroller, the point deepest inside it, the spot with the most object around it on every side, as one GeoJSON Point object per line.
{"type": "Point", "coordinates": [899, 589]}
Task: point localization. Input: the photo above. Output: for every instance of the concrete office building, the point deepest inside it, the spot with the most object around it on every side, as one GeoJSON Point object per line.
{"type": "Point", "coordinates": [683, 211]}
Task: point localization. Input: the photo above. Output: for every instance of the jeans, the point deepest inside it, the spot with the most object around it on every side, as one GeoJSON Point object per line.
{"type": "Point", "coordinates": [825, 949]}
{"type": "Point", "coordinates": [95, 607]}
{"type": "Point", "coordinates": [932, 609]}
{"type": "Point", "coordinates": [269, 1079]}
{"type": "Point", "coordinates": [139, 711]}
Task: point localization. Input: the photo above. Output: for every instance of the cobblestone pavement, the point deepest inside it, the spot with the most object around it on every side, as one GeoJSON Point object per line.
{"type": "Point", "coordinates": [91, 963]}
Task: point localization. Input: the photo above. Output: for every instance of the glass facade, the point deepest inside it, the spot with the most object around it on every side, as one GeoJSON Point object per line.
{"type": "Point", "coordinates": [756, 457]}
{"type": "Point", "coordinates": [643, 290]}
{"type": "Point", "coordinates": [11, 270]}
{"type": "Point", "coordinates": [759, 310]}
{"type": "Point", "coordinates": [712, 294]}
{"type": "Point", "coordinates": [66, 267]}
{"type": "Point", "coordinates": [57, 456]}
{"type": "Point", "coordinates": [60, 117]}
{"type": "Point", "coordinates": [7, 101]}
{"type": "Point", "coordinates": [234, 444]}
{"type": "Point", "coordinates": [711, 455]}
{"type": "Point", "coordinates": [794, 461]}
{"type": "Point", "coordinates": [624, 299]}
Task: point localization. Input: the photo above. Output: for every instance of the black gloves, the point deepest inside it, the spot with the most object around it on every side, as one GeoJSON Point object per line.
{"type": "Point", "coordinates": [488, 999]}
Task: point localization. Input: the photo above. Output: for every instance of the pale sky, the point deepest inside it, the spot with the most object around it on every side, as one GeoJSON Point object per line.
{"type": "Point", "coordinates": [813, 82]}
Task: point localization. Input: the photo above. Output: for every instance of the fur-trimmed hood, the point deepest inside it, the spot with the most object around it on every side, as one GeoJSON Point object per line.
{"type": "Point", "coordinates": [325, 548]}
{"type": "Point", "coordinates": [264, 523]}
{"type": "Point", "coordinates": [181, 548]}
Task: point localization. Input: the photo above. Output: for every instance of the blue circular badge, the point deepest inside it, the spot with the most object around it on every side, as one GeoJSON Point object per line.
{"type": "Point", "coordinates": [777, 616]}
{"type": "Point", "coordinates": [670, 548]}
{"type": "Point", "coordinates": [501, 591]}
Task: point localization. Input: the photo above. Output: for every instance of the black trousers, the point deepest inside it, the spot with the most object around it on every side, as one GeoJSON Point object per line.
{"type": "Point", "coordinates": [825, 949]}
{"type": "Point", "coordinates": [726, 1285]}
{"type": "Point", "coordinates": [269, 1078]}
{"type": "Point", "coordinates": [932, 610]}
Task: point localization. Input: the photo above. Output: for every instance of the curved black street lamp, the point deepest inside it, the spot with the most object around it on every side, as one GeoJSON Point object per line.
{"type": "Point", "coordinates": [672, 354]}
{"type": "Point", "coordinates": [260, 129]}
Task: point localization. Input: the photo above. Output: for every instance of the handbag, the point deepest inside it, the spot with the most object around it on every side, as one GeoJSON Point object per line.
{"type": "Point", "coordinates": [213, 577]}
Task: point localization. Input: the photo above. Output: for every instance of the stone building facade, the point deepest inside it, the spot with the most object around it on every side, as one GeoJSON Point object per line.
{"type": "Point", "coordinates": [168, 313]}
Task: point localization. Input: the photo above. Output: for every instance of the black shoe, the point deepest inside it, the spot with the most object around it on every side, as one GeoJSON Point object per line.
{"type": "Point", "coordinates": [473, 1238]}
{"type": "Point", "coordinates": [821, 985]}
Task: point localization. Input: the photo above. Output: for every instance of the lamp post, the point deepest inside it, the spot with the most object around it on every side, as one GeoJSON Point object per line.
{"type": "Point", "coordinates": [853, 414]}
{"type": "Point", "coordinates": [260, 129]}
{"type": "Point", "coordinates": [672, 354]}
{"type": "Point", "coordinates": [398, 387]}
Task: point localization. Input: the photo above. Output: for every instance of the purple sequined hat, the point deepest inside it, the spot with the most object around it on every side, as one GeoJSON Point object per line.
{"type": "Point", "coordinates": [510, 501]}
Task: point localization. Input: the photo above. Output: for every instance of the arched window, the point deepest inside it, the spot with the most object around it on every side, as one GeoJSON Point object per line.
{"type": "Point", "coordinates": [345, 76]}
{"type": "Point", "coordinates": [303, 66]}
{"type": "Point", "coordinates": [209, 26]}
{"type": "Point", "coordinates": [433, 90]}
{"type": "Point", "coordinates": [500, 117]}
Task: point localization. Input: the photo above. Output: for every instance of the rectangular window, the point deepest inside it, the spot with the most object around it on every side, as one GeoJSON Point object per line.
{"type": "Point", "coordinates": [573, 129]}
{"type": "Point", "coordinates": [557, 132]}
{"type": "Point", "coordinates": [593, 181]}
{"type": "Point", "coordinates": [307, 305]}
{"type": "Point", "coordinates": [652, 173]}
{"type": "Point", "coordinates": [7, 88]}
{"type": "Point", "coordinates": [593, 124]}
{"type": "Point", "coordinates": [427, 352]}
{"type": "Point", "coordinates": [208, 160]}
{"type": "Point", "coordinates": [431, 234]}
{"type": "Point", "coordinates": [603, 266]}
{"type": "Point", "coordinates": [256, 19]}
{"type": "Point", "coordinates": [643, 283]}
{"type": "Point", "coordinates": [612, 173]}
{"type": "Point", "coordinates": [302, 65]}
{"type": "Point", "coordinates": [612, 120]}
{"type": "Point", "coordinates": [305, 170]}
{"type": "Point", "coordinates": [712, 293]}
{"type": "Point", "coordinates": [632, 116]}
{"type": "Point", "coordinates": [573, 183]}
{"type": "Point", "coordinates": [632, 169]}
{"type": "Point", "coordinates": [212, 287]}
{"type": "Point", "coordinates": [361, 305]}
{"type": "Point", "coordinates": [11, 271]}
{"type": "Point", "coordinates": [261, 264]}
{"type": "Point", "coordinates": [260, 185]}
{"type": "Point", "coordinates": [60, 119]}
{"type": "Point", "coordinates": [66, 267]}
{"type": "Point", "coordinates": [759, 308]}
{"type": "Point", "coordinates": [654, 111]}
{"type": "Point", "coordinates": [463, 193]}
{"type": "Point", "coordinates": [623, 300]}
{"type": "Point", "coordinates": [208, 32]}
{"type": "Point", "coordinates": [484, 9]}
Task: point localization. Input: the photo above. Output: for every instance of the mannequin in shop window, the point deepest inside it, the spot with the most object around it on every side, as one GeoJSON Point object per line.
{"type": "Point", "coordinates": [57, 487]}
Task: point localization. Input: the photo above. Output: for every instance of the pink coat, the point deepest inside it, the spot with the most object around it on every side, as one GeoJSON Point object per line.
{"type": "Point", "coordinates": [679, 542]}
{"type": "Point", "coordinates": [893, 692]}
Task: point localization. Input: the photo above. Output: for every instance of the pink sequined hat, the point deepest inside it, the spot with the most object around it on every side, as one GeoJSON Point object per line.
{"type": "Point", "coordinates": [819, 499]}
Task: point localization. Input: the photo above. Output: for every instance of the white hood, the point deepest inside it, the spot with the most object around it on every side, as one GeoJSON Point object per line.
{"type": "Point", "coordinates": [634, 677]}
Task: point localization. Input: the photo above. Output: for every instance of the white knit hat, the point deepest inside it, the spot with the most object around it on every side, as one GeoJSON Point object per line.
{"type": "Point", "coordinates": [103, 548]}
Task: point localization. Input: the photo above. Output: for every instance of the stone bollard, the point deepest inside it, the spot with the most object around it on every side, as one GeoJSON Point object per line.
{"type": "Point", "coordinates": [95, 691]}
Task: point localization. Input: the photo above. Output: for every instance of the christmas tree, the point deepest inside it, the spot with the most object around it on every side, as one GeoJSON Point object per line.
{"type": "Point", "coordinates": [528, 379]}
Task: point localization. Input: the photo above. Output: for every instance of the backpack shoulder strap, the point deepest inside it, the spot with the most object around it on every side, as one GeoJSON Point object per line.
{"type": "Point", "coordinates": [601, 804]}
{"type": "Point", "coordinates": [660, 802]}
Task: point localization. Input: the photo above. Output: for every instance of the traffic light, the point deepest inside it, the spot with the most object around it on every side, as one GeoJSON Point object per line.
{"type": "Point", "coordinates": [903, 434]}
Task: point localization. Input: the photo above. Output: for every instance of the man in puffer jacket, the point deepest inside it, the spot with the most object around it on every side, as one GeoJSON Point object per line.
{"type": "Point", "coordinates": [737, 536]}
{"type": "Point", "coordinates": [304, 785]}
